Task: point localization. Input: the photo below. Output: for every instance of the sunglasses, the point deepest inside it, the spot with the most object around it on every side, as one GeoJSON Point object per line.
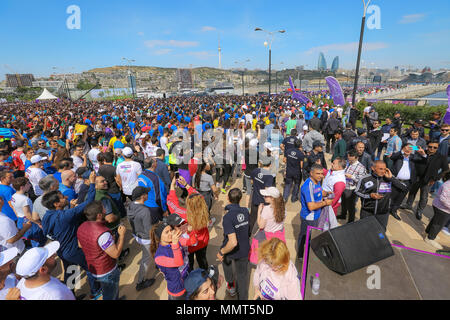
{"type": "Point", "coordinates": [430, 147]}
{"type": "Point", "coordinates": [445, 130]}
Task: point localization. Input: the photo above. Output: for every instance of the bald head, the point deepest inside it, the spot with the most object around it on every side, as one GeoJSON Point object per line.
{"type": "Point", "coordinates": [68, 177]}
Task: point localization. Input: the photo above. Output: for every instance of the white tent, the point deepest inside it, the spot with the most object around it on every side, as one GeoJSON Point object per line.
{"type": "Point", "coordinates": [46, 95]}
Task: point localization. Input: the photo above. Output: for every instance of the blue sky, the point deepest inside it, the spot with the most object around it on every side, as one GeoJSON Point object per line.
{"type": "Point", "coordinates": [34, 36]}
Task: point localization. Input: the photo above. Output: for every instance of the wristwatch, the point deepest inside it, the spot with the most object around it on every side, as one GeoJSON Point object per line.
{"type": "Point", "coordinates": [220, 252]}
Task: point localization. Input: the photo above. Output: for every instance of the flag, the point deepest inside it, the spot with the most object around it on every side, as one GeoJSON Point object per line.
{"type": "Point", "coordinates": [447, 115]}
{"type": "Point", "coordinates": [336, 91]}
{"type": "Point", "coordinates": [300, 97]}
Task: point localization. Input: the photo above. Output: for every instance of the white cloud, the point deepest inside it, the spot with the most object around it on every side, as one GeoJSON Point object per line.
{"type": "Point", "coordinates": [412, 18]}
{"type": "Point", "coordinates": [348, 47]}
{"type": "Point", "coordinates": [170, 43]}
{"type": "Point", "coordinates": [202, 54]}
{"type": "Point", "coordinates": [140, 33]}
{"type": "Point", "coordinates": [208, 28]}
{"type": "Point", "coordinates": [163, 51]}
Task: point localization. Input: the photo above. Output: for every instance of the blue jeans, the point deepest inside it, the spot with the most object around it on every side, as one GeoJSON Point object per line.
{"type": "Point", "coordinates": [110, 285]}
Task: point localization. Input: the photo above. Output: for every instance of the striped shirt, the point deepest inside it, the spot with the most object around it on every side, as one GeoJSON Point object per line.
{"type": "Point", "coordinates": [357, 170]}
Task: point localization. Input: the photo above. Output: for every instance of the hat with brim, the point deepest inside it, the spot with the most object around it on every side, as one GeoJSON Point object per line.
{"type": "Point", "coordinates": [32, 260]}
{"type": "Point", "coordinates": [270, 192]}
{"type": "Point", "coordinates": [8, 255]}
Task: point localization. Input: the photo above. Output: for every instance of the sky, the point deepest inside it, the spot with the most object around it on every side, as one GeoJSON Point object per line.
{"type": "Point", "coordinates": [35, 38]}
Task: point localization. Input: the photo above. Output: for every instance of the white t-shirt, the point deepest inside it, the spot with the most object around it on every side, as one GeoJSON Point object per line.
{"type": "Point", "coordinates": [150, 150]}
{"type": "Point", "coordinates": [10, 282]}
{"type": "Point", "coordinates": [8, 230]}
{"type": "Point", "coordinates": [19, 201]}
{"type": "Point", "coordinates": [52, 290]}
{"type": "Point", "coordinates": [367, 109]}
{"type": "Point", "coordinates": [77, 162]}
{"type": "Point", "coordinates": [163, 142]}
{"type": "Point", "coordinates": [267, 214]}
{"type": "Point", "coordinates": [35, 175]}
{"type": "Point", "coordinates": [129, 172]}
{"type": "Point", "coordinates": [92, 155]}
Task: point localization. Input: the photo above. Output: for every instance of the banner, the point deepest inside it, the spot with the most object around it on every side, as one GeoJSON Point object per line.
{"type": "Point", "coordinates": [300, 97]}
{"type": "Point", "coordinates": [447, 115]}
{"type": "Point", "coordinates": [336, 91]}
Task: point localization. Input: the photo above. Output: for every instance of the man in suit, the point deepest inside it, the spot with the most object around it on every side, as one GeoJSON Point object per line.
{"type": "Point", "coordinates": [427, 174]}
{"type": "Point", "coordinates": [404, 169]}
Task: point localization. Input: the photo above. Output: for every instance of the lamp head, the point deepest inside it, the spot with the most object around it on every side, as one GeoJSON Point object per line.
{"type": "Point", "coordinates": [282, 31]}
{"type": "Point", "coordinates": [258, 29]}
{"type": "Point", "coordinates": [266, 43]}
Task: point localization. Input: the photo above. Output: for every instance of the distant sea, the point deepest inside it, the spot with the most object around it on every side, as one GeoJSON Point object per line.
{"type": "Point", "coordinates": [442, 94]}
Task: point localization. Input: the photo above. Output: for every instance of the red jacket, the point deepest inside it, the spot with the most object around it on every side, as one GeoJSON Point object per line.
{"type": "Point", "coordinates": [198, 239]}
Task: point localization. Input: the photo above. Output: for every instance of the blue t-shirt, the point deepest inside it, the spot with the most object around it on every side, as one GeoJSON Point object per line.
{"type": "Point", "coordinates": [310, 192]}
{"type": "Point", "coordinates": [57, 176]}
{"type": "Point", "coordinates": [69, 192]}
{"type": "Point", "coordinates": [6, 193]}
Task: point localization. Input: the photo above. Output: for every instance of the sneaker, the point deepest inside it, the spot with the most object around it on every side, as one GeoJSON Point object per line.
{"type": "Point", "coordinates": [223, 190]}
{"type": "Point", "coordinates": [244, 190]}
{"type": "Point", "coordinates": [231, 289]}
{"type": "Point", "coordinates": [211, 222]}
{"type": "Point", "coordinates": [445, 231]}
{"type": "Point", "coordinates": [144, 284]}
{"type": "Point", "coordinates": [96, 297]}
{"type": "Point", "coordinates": [433, 243]}
{"type": "Point", "coordinates": [228, 184]}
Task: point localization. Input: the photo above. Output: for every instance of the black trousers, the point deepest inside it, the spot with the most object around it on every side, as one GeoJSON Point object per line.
{"type": "Point", "coordinates": [383, 219]}
{"type": "Point", "coordinates": [241, 275]}
{"type": "Point", "coordinates": [328, 138]}
{"type": "Point", "coordinates": [201, 259]}
{"type": "Point", "coordinates": [353, 123]}
{"type": "Point", "coordinates": [397, 197]}
{"type": "Point", "coordinates": [349, 204]}
{"type": "Point", "coordinates": [424, 190]}
{"type": "Point", "coordinates": [439, 220]}
{"type": "Point", "coordinates": [252, 219]}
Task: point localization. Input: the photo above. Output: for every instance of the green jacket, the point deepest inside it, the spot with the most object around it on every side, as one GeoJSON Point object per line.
{"type": "Point", "coordinates": [340, 148]}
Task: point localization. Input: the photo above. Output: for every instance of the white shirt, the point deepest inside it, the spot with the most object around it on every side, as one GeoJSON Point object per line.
{"type": "Point", "coordinates": [92, 155]}
{"type": "Point", "coordinates": [150, 150]}
{"type": "Point", "coordinates": [367, 109]}
{"type": "Point", "coordinates": [52, 290]}
{"type": "Point", "coordinates": [10, 282]}
{"type": "Point", "coordinates": [77, 162]}
{"type": "Point", "coordinates": [129, 172]}
{"type": "Point", "coordinates": [404, 173]}
{"type": "Point", "coordinates": [8, 230]}
{"type": "Point", "coordinates": [35, 175]}
{"type": "Point", "coordinates": [19, 201]}
{"type": "Point", "coordinates": [163, 142]}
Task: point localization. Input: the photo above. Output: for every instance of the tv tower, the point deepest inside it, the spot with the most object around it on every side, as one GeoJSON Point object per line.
{"type": "Point", "coordinates": [220, 55]}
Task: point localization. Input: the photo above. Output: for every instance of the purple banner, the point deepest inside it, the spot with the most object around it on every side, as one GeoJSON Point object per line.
{"type": "Point", "coordinates": [447, 115]}
{"type": "Point", "coordinates": [300, 97]}
{"type": "Point", "coordinates": [335, 91]}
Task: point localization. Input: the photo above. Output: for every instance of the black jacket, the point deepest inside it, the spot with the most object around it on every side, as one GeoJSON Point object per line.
{"type": "Point", "coordinates": [374, 139]}
{"type": "Point", "coordinates": [371, 184]}
{"type": "Point", "coordinates": [414, 159]}
{"type": "Point", "coordinates": [315, 123]}
{"type": "Point", "coordinates": [332, 126]}
{"type": "Point", "coordinates": [348, 136]}
{"type": "Point", "coordinates": [428, 171]}
{"type": "Point", "coordinates": [354, 113]}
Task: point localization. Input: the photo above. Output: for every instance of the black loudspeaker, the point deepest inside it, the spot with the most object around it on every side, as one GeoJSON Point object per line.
{"type": "Point", "coordinates": [352, 246]}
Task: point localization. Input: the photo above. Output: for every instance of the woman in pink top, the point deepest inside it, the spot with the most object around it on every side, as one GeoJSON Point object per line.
{"type": "Point", "coordinates": [441, 207]}
{"type": "Point", "coordinates": [271, 217]}
{"type": "Point", "coordinates": [276, 277]}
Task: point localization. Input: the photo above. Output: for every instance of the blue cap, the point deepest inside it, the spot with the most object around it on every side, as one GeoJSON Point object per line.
{"type": "Point", "coordinates": [194, 280]}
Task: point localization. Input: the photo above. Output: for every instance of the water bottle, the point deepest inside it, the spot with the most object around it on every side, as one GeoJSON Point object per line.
{"type": "Point", "coordinates": [316, 285]}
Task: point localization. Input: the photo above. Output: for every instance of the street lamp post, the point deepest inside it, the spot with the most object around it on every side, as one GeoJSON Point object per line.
{"type": "Point", "coordinates": [361, 37]}
{"type": "Point", "coordinates": [271, 34]}
{"type": "Point", "coordinates": [242, 74]}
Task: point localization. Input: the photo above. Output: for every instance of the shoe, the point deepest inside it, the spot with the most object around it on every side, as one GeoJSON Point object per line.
{"type": "Point", "coordinates": [419, 215]}
{"type": "Point", "coordinates": [406, 207]}
{"type": "Point", "coordinates": [445, 231]}
{"type": "Point", "coordinates": [124, 253]}
{"type": "Point", "coordinates": [121, 267]}
{"type": "Point", "coordinates": [395, 215]}
{"type": "Point", "coordinates": [231, 289]}
{"type": "Point", "coordinates": [223, 191]}
{"type": "Point", "coordinates": [144, 284]}
{"type": "Point", "coordinates": [211, 222]}
{"type": "Point", "coordinates": [228, 184]}
{"type": "Point", "coordinates": [96, 297]}
{"type": "Point", "coordinates": [433, 243]}
{"type": "Point", "coordinates": [244, 190]}
{"type": "Point", "coordinates": [341, 217]}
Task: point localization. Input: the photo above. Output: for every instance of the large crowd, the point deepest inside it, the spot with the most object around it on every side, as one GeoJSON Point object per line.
{"type": "Point", "coordinates": [71, 174]}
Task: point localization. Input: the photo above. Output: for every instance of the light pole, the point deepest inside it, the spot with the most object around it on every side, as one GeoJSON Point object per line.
{"type": "Point", "coordinates": [129, 61]}
{"type": "Point", "coordinates": [361, 37]}
{"type": "Point", "coordinates": [243, 70]}
{"type": "Point", "coordinates": [271, 34]}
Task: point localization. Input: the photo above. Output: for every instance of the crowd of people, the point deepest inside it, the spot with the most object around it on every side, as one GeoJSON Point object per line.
{"type": "Point", "coordinates": [73, 173]}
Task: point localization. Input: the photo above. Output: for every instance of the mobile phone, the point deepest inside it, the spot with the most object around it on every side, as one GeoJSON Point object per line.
{"type": "Point", "coordinates": [415, 148]}
{"type": "Point", "coordinates": [177, 175]}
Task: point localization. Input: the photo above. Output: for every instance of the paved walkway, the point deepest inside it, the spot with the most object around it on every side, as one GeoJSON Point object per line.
{"type": "Point", "coordinates": [407, 232]}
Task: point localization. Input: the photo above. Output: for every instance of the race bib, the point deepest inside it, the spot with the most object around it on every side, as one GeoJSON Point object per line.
{"type": "Point", "coordinates": [268, 289]}
{"type": "Point", "coordinates": [385, 187]}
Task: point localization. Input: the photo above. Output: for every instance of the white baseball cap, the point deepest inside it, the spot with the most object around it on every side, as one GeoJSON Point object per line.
{"type": "Point", "coordinates": [36, 158]}
{"type": "Point", "coordinates": [127, 152]}
{"type": "Point", "coordinates": [270, 192]}
{"type": "Point", "coordinates": [32, 260]}
{"type": "Point", "coordinates": [7, 255]}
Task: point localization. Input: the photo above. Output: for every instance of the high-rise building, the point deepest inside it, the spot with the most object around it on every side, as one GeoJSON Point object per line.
{"type": "Point", "coordinates": [335, 65]}
{"type": "Point", "coordinates": [322, 64]}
